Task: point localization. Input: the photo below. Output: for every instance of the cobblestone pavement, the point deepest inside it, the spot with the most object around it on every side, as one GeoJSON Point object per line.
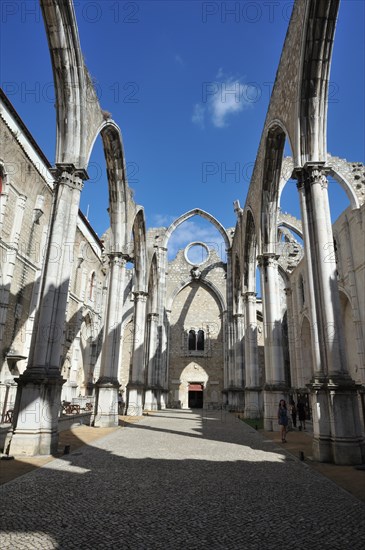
{"type": "Point", "coordinates": [180, 480]}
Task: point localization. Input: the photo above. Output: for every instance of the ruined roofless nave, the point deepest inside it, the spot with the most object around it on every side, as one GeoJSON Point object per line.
{"type": "Point", "coordinates": [190, 331]}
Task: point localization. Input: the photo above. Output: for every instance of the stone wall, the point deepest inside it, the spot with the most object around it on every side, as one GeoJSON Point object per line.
{"type": "Point", "coordinates": [195, 305]}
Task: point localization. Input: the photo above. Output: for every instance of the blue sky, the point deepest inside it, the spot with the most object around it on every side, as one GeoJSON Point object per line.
{"type": "Point", "coordinates": [160, 68]}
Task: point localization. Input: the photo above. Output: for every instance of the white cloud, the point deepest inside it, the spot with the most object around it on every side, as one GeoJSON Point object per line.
{"type": "Point", "coordinates": [229, 100]}
{"type": "Point", "coordinates": [198, 115]}
{"type": "Point", "coordinates": [162, 220]}
{"type": "Point", "coordinates": [221, 100]}
{"type": "Point", "coordinates": [190, 231]}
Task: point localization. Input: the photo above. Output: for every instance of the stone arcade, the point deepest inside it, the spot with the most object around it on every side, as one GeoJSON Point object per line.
{"type": "Point", "coordinates": [75, 321]}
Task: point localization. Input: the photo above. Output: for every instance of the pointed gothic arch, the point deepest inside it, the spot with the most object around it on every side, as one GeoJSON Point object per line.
{"type": "Point", "coordinates": [190, 214]}
{"type": "Point", "coordinates": [313, 86]}
{"type": "Point", "coordinates": [250, 253]}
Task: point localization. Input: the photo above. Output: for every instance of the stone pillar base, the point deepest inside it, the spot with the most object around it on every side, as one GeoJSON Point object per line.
{"type": "Point", "coordinates": [236, 399]}
{"type": "Point", "coordinates": [164, 399]}
{"type": "Point", "coordinates": [106, 404]}
{"type": "Point", "coordinates": [252, 404]}
{"type": "Point", "coordinates": [151, 401]}
{"type": "Point", "coordinates": [135, 401]}
{"type": "Point", "coordinates": [322, 445]}
{"type": "Point", "coordinates": [336, 422]}
{"type": "Point", "coordinates": [36, 413]}
{"type": "Point", "coordinates": [272, 396]}
{"type": "Point", "coordinates": [154, 399]}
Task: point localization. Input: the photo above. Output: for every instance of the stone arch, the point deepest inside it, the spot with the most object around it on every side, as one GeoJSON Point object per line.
{"type": "Point", "coordinates": [210, 285]}
{"type": "Point", "coordinates": [140, 251]}
{"type": "Point", "coordinates": [152, 288]}
{"type": "Point", "coordinates": [313, 85]}
{"type": "Point", "coordinates": [237, 284]}
{"type": "Point", "coordinates": [294, 227]}
{"type": "Point", "coordinates": [250, 253]}
{"type": "Point", "coordinates": [77, 107]}
{"type": "Point", "coordinates": [346, 186]}
{"type": "Point", "coordinates": [190, 214]}
{"type": "Point", "coordinates": [273, 157]}
{"type": "Point", "coordinates": [117, 183]}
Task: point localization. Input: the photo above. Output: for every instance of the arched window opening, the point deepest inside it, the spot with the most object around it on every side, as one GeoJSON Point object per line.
{"type": "Point", "coordinates": [192, 340]}
{"type": "Point", "coordinates": [335, 249]}
{"type": "Point", "coordinates": [200, 341]}
{"type": "Point", "coordinates": [196, 340]}
{"type": "Point", "coordinates": [92, 286]}
{"type": "Point", "coordinates": [301, 291]}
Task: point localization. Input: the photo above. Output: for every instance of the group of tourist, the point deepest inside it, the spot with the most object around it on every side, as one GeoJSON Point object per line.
{"type": "Point", "coordinates": [283, 417]}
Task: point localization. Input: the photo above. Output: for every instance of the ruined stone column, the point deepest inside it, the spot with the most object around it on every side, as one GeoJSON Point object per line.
{"type": "Point", "coordinates": [163, 328]}
{"type": "Point", "coordinates": [106, 403]}
{"type": "Point", "coordinates": [136, 386]}
{"type": "Point", "coordinates": [239, 363]}
{"type": "Point", "coordinates": [151, 401]}
{"type": "Point", "coordinates": [291, 335]}
{"type": "Point", "coordinates": [165, 345]}
{"type": "Point", "coordinates": [275, 384]}
{"type": "Point", "coordinates": [252, 388]}
{"type": "Point", "coordinates": [336, 423]}
{"type": "Point", "coordinates": [39, 387]}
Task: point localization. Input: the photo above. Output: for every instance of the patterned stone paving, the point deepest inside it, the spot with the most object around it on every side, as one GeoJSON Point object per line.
{"type": "Point", "coordinates": [179, 480]}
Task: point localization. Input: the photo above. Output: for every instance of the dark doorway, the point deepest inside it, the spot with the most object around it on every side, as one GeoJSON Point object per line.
{"type": "Point", "coordinates": [195, 396]}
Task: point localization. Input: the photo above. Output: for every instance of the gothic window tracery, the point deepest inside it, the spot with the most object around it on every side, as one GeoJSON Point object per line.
{"type": "Point", "coordinates": [196, 340]}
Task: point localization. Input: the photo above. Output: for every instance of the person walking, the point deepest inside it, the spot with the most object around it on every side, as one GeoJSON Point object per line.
{"type": "Point", "coordinates": [283, 419]}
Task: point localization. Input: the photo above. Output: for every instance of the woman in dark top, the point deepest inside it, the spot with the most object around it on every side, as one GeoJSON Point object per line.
{"type": "Point", "coordinates": [283, 419]}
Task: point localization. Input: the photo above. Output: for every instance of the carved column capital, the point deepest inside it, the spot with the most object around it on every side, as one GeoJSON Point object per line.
{"type": "Point", "coordinates": [310, 174]}
{"type": "Point", "coordinates": [140, 296]}
{"type": "Point", "coordinates": [116, 258]}
{"type": "Point", "coordinates": [268, 259]}
{"type": "Point", "coordinates": [249, 297]}
{"type": "Point", "coordinates": [153, 317]}
{"type": "Point", "coordinates": [316, 172]}
{"type": "Point", "coordinates": [69, 175]}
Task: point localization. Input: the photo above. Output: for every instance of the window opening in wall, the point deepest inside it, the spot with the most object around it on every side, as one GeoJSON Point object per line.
{"type": "Point", "coordinates": [302, 293]}
{"type": "Point", "coordinates": [200, 341]}
{"type": "Point", "coordinates": [92, 285]}
{"type": "Point", "coordinates": [196, 340]}
{"type": "Point", "coordinates": [192, 340]}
